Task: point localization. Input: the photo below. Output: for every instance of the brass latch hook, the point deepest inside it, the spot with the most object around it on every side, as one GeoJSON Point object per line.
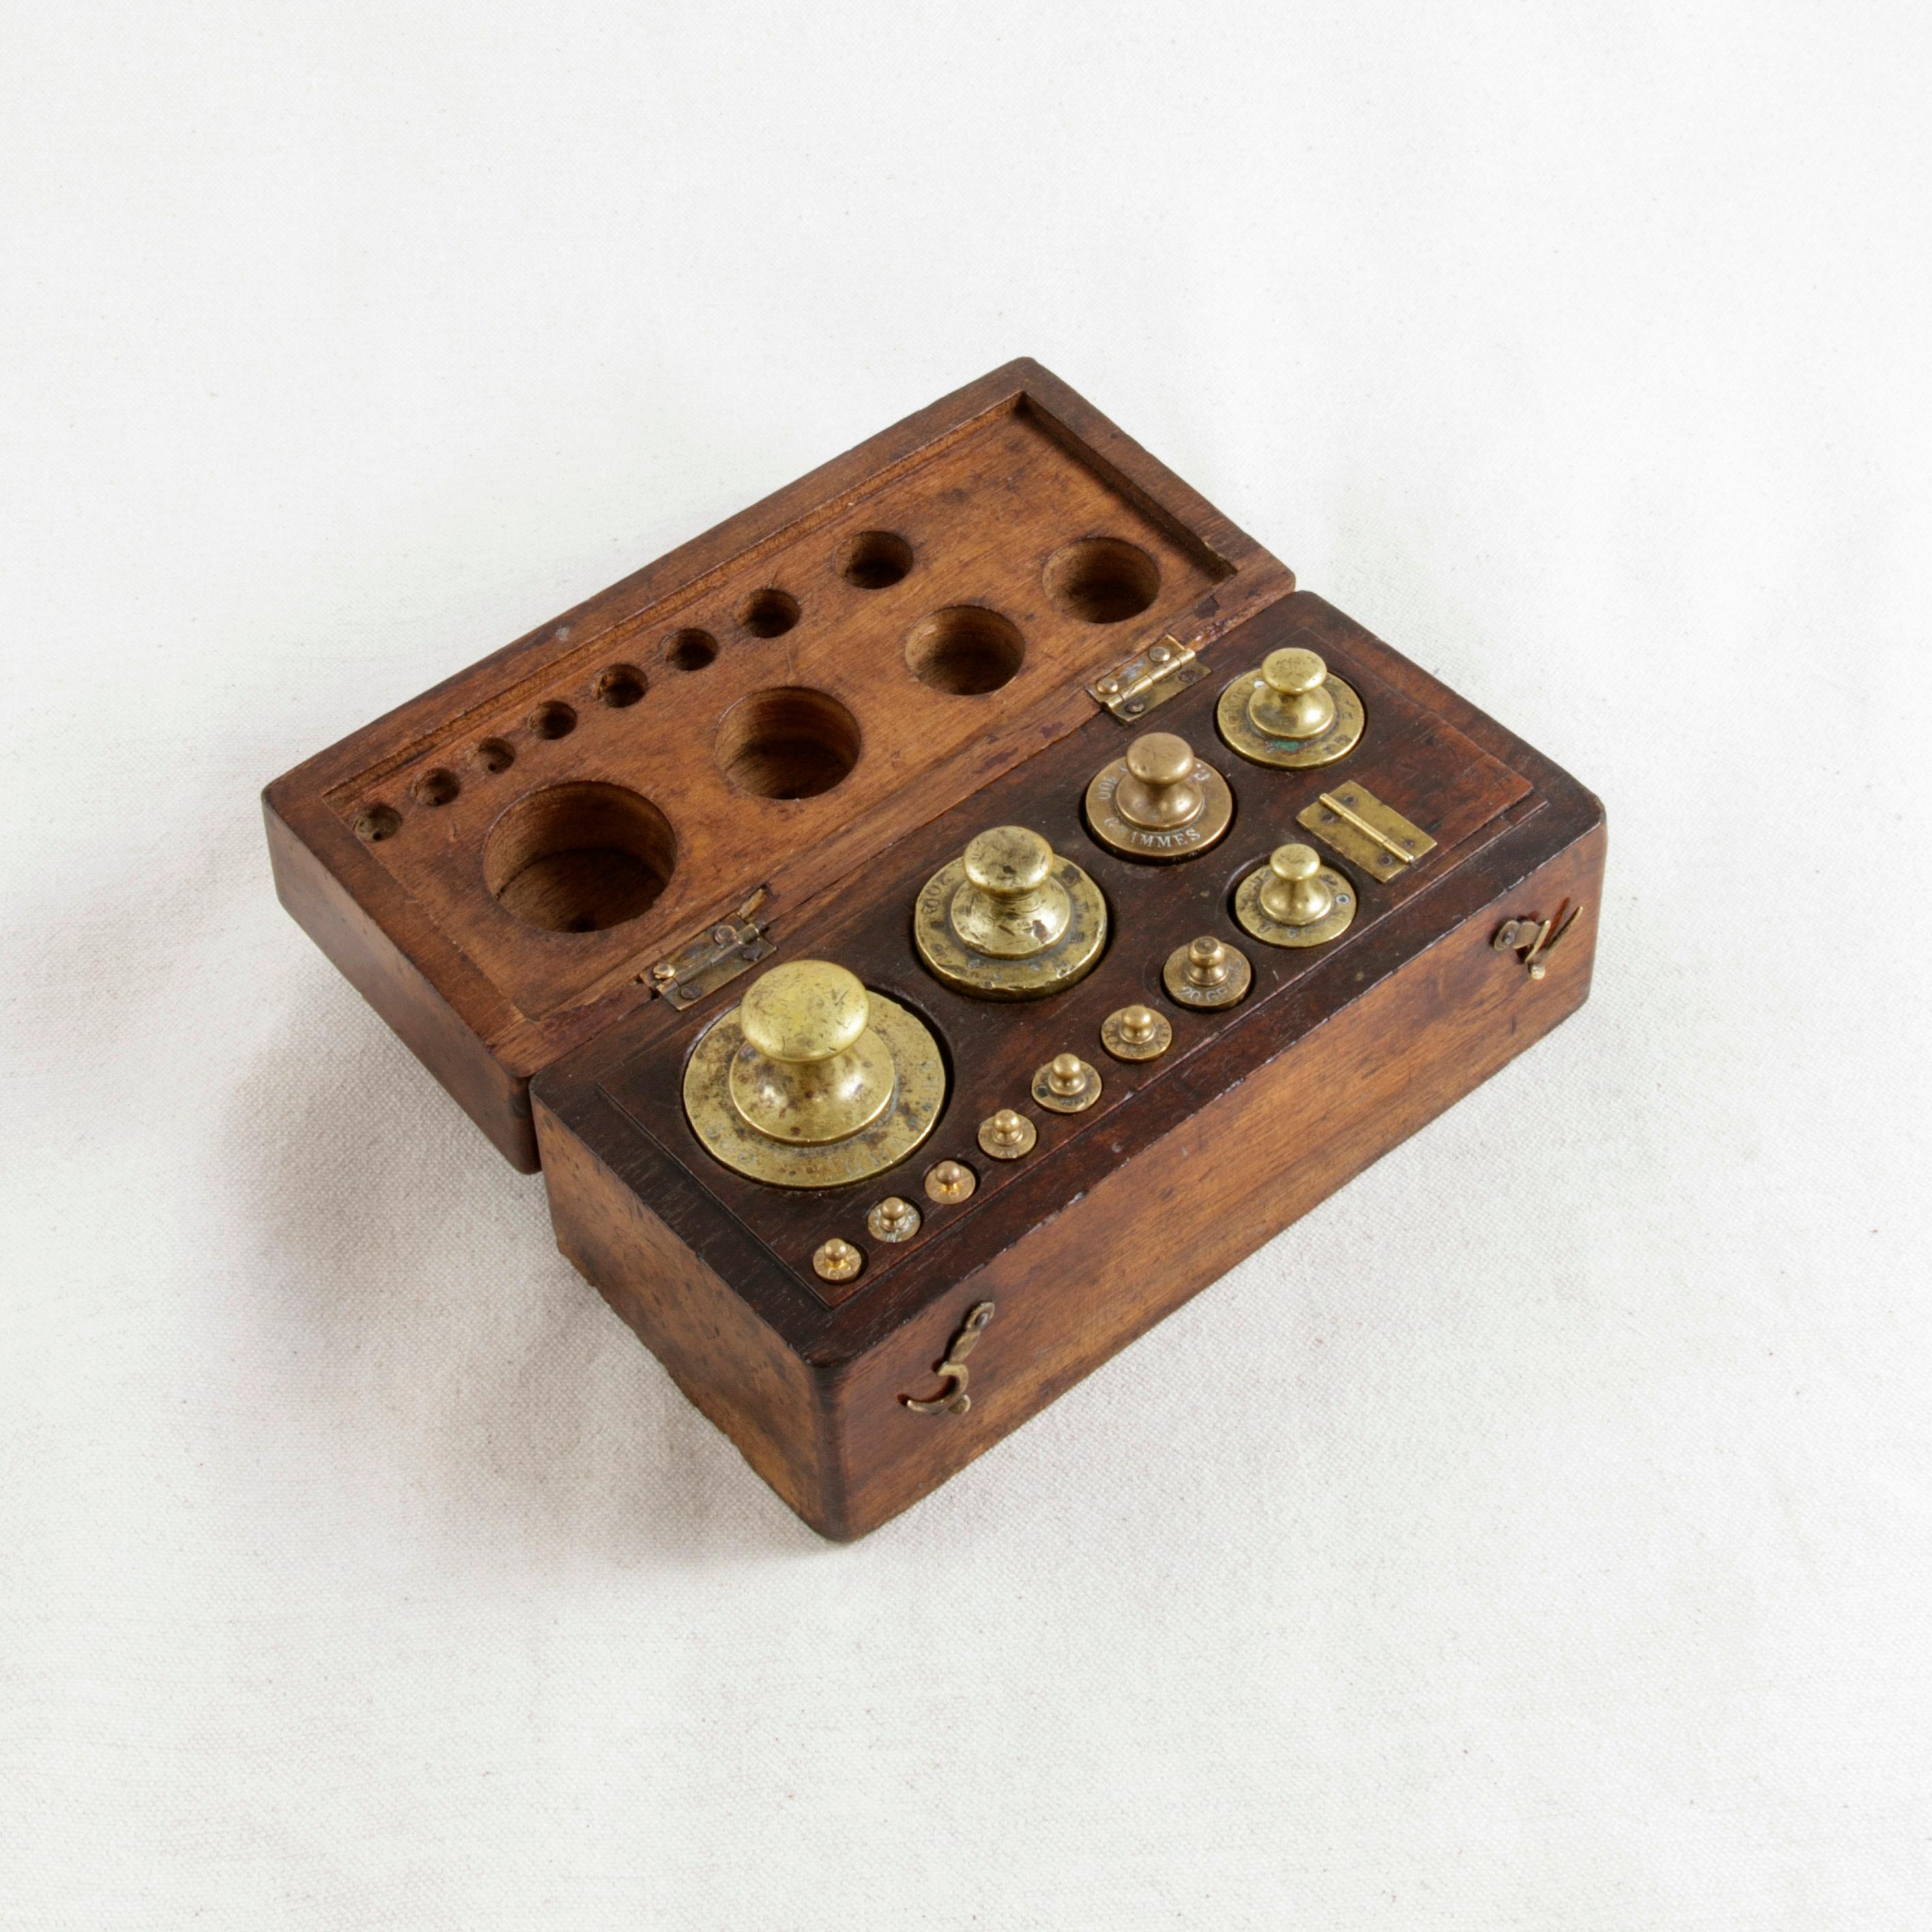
{"type": "Point", "coordinates": [1532, 938]}
{"type": "Point", "coordinates": [953, 1399]}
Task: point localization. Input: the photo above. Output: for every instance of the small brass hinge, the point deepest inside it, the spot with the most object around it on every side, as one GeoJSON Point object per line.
{"type": "Point", "coordinates": [1147, 679]}
{"type": "Point", "coordinates": [712, 958]}
{"type": "Point", "coordinates": [1361, 827]}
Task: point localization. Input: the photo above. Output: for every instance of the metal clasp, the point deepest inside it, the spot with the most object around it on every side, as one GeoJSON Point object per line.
{"type": "Point", "coordinates": [953, 1399]}
{"type": "Point", "coordinates": [1533, 938]}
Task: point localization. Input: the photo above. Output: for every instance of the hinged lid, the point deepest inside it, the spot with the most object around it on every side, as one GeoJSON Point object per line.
{"type": "Point", "coordinates": [500, 864]}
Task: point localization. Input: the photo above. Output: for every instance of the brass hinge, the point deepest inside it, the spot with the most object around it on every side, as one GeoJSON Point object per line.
{"type": "Point", "coordinates": [713, 958]}
{"type": "Point", "coordinates": [1361, 827]}
{"type": "Point", "coordinates": [1147, 679]}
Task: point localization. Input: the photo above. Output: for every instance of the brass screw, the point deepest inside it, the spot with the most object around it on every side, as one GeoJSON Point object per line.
{"type": "Point", "coordinates": [1007, 1134]}
{"type": "Point", "coordinates": [894, 1219]}
{"type": "Point", "coordinates": [950, 1181]}
{"type": "Point", "coordinates": [835, 1260]}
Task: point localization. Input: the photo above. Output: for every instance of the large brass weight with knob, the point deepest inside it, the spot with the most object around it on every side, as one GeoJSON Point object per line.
{"type": "Point", "coordinates": [811, 1081]}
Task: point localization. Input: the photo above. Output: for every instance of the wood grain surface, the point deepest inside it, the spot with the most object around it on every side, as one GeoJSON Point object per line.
{"type": "Point", "coordinates": [1186, 1164]}
{"type": "Point", "coordinates": [495, 863]}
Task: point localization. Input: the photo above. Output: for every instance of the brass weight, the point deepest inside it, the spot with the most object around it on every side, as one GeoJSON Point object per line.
{"type": "Point", "coordinates": [1295, 900]}
{"type": "Point", "coordinates": [811, 1081]}
{"type": "Point", "coordinates": [1293, 712]}
{"type": "Point", "coordinates": [1010, 919]}
{"type": "Point", "coordinates": [1160, 801]}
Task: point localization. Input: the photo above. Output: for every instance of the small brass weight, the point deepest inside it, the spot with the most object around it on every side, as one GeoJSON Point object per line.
{"type": "Point", "coordinates": [1292, 713]}
{"type": "Point", "coordinates": [1295, 900]}
{"type": "Point", "coordinates": [811, 1081]}
{"type": "Point", "coordinates": [1159, 801]}
{"type": "Point", "coordinates": [1010, 919]}
{"type": "Point", "coordinates": [1207, 973]}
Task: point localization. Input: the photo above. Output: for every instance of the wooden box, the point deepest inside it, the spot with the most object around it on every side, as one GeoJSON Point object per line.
{"type": "Point", "coordinates": [760, 750]}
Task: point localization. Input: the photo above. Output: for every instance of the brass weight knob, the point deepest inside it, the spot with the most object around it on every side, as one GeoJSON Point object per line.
{"type": "Point", "coordinates": [812, 1081]}
{"type": "Point", "coordinates": [1294, 892]}
{"type": "Point", "coordinates": [1292, 713]}
{"type": "Point", "coordinates": [1289, 700]}
{"type": "Point", "coordinates": [1294, 899]}
{"type": "Point", "coordinates": [1010, 919]}
{"type": "Point", "coordinates": [1160, 801]}
{"type": "Point", "coordinates": [1160, 790]}
{"type": "Point", "coordinates": [1009, 904]}
{"type": "Point", "coordinates": [813, 1071]}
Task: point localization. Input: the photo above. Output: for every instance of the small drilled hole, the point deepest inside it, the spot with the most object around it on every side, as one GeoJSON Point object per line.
{"type": "Point", "coordinates": [375, 823]}
{"type": "Point", "coordinates": [1101, 579]}
{"type": "Point", "coordinates": [769, 613]}
{"type": "Point", "coordinates": [690, 650]}
{"type": "Point", "coordinates": [495, 755]}
{"type": "Point", "coordinates": [435, 787]}
{"type": "Point", "coordinates": [874, 558]}
{"type": "Point", "coordinates": [787, 743]}
{"type": "Point", "coordinates": [579, 858]}
{"type": "Point", "coordinates": [966, 649]}
{"type": "Point", "coordinates": [621, 686]}
{"type": "Point", "coordinates": [553, 721]}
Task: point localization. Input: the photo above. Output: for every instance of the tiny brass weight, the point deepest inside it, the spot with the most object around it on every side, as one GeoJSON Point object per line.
{"type": "Point", "coordinates": [1160, 801]}
{"type": "Point", "coordinates": [835, 1260]}
{"type": "Point", "coordinates": [1136, 1033]}
{"type": "Point", "coordinates": [1066, 1084]}
{"type": "Point", "coordinates": [1295, 900]}
{"type": "Point", "coordinates": [1207, 973]}
{"type": "Point", "coordinates": [1293, 713]}
{"type": "Point", "coordinates": [950, 1181]}
{"type": "Point", "coordinates": [894, 1219]}
{"type": "Point", "coordinates": [1010, 919]}
{"type": "Point", "coordinates": [811, 1081]}
{"type": "Point", "coordinates": [1007, 1134]}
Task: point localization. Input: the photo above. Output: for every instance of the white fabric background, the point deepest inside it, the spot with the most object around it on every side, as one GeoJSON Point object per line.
{"type": "Point", "coordinates": [1536, 1536]}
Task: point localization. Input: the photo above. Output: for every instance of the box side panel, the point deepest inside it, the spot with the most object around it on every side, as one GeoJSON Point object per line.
{"type": "Point", "coordinates": [319, 901]}
{"type": "Point", "coordinates": [1085, 1283]}
{"type": "Point", "coordinates": [731, 1365]}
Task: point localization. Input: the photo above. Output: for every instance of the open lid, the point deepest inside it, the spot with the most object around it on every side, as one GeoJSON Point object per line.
{"type": "Point", "coordinates": [500, 863]}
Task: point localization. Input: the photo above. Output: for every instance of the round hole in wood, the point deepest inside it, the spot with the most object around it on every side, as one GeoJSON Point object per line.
{"type": "Point", "coordinates": [495, 755]}
{"type": "Point", "coordinates": [769, 613]}
{"type": "Point", "coordinates": [874, 558]}
{"type": "Point", "coordinates": [579, 858]}
{"type": "Point", "coordinates": [690, 650]}
{"type": "Point", "coordinates": [622, 685]}
{"type": "Point", "coordinates": [375, 823]}
{"type": "Point", "coordinates": [1102, 580]}
{"type": "Point", "coordinates": [435, 787]}
{"type": "Point", "coordinates": [966, 649]}
{"type": "Point", "coordinates": [553, 721]}
{"type": "Point", "coordinates": [788, 742]}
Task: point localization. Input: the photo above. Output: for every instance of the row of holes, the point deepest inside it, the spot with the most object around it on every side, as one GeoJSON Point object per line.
{"type": "Point", "coordinates": [787, 745]}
